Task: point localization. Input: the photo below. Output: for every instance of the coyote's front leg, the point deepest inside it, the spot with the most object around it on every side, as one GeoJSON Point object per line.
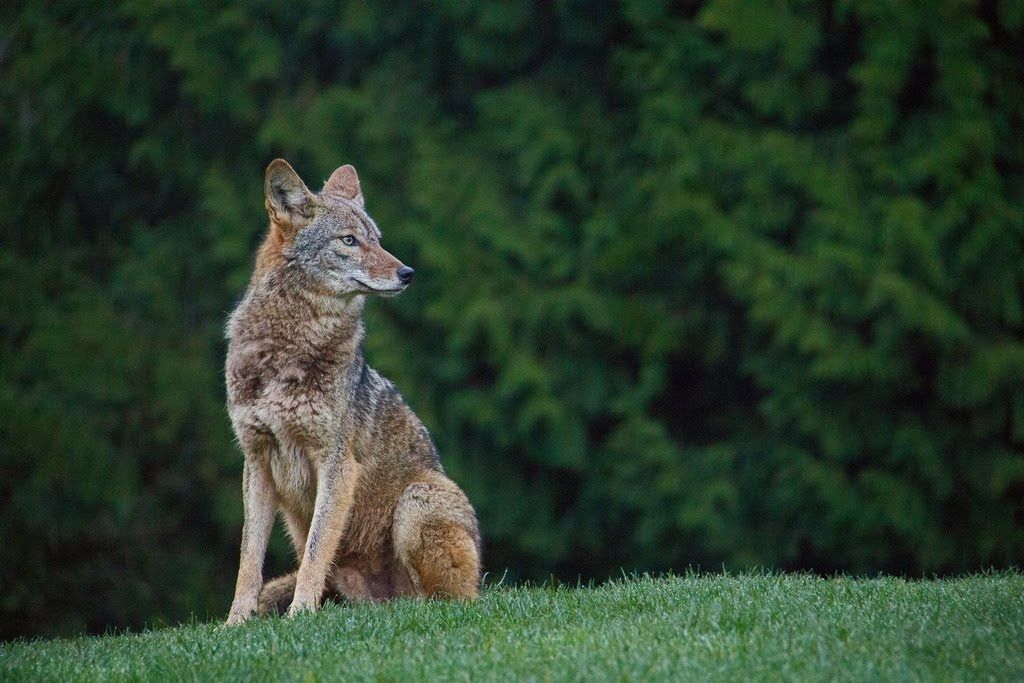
{"type": "Point", "coordinates": [258, 502]}
{"type": "Point", "coordinates": [335, 487]}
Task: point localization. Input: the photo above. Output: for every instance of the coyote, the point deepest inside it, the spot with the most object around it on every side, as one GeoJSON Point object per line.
{"type": "Point", "coordinates": [328, 441]}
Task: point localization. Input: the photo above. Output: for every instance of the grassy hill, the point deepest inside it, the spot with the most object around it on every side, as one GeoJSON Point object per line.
{"type": "Point", "coordinates": [731, 627]}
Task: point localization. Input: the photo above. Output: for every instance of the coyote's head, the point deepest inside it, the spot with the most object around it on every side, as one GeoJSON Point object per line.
{"type": "Point", "coordinates": [329, 235]}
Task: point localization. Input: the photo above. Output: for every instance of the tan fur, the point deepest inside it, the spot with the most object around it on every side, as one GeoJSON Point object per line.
{"type": "Point", "coordinates": [270, 252]}
{"type": "Point", "coordinates": [327, 440]}
{"type": "Point", "coordinates": [434, 539]}
{"type": "Point", "coordinates": [277, 594]}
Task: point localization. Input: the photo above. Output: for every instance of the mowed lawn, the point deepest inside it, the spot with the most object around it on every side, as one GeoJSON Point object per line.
{"type": "Point", "coordinates": [764, 627]}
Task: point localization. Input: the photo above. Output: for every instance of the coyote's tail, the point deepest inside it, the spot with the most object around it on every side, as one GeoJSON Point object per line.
{"type": "Point", "coordinates": [277, 595]}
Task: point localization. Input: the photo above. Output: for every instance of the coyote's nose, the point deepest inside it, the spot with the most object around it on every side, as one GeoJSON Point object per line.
{"type": "Point", "coordinates": [405, 274]}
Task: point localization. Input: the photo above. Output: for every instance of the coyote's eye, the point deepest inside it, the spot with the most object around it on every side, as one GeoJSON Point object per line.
{"type": "Point", "coordinates": [348, 240]}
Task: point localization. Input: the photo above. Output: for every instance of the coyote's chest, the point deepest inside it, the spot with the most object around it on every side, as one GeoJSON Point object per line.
{"type": "Point", "coordinates": [289, 417]}
{"type": "Point", "coordinates": [292, 395]}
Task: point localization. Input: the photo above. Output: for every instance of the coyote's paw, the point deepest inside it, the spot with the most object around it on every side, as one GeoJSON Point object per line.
{"type": "Point", "coordinates": [298, 607]}
{"type": "Point", "coordinates": [238, 615]}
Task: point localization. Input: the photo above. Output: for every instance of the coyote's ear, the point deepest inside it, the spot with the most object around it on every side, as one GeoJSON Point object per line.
{"type": "Point", "coordinates": [289, 202]}
{"type": "Point", "coordinates": [344, 184]}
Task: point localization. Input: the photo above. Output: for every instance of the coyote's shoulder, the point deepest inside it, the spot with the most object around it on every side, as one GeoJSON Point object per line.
{"type": "Point", "coordinates": [327, 440]}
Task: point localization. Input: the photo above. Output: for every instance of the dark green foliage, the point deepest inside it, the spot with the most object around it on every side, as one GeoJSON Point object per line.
{"type": "Point", "coordinates": [731, 282]}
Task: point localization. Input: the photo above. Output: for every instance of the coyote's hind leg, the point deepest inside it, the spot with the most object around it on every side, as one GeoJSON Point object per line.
{"type": "Point", "coordinates": [437, 541]}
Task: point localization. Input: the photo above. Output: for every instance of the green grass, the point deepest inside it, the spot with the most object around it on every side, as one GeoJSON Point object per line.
{"type": "Point", "coordinates": [721, 627]}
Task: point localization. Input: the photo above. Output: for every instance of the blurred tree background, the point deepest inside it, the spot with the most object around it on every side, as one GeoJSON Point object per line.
{"type": "Point", "coordinates": [700, 283]}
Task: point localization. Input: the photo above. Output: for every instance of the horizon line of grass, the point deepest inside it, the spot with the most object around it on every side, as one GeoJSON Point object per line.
{"type": "Point", "coordinates": [746, 626]}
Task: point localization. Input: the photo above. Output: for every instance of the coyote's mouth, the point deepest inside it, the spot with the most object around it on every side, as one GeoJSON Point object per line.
{"type": "Point", "coordinates": [379, 290]}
